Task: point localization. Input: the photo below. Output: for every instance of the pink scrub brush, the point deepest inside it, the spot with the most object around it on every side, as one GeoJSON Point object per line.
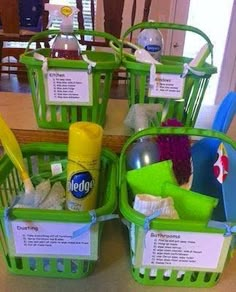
{"type": "Point", "coordinates": [177, 149]}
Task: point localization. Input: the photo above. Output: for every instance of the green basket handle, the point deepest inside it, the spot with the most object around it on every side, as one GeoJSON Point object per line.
{"type": "Point", "coordinates": [166, 25]}
{"type": "Point", "coordinates": [171, 131]}
{"type": "Point", "coordinates": [44, 34]}
{"type": "Point", "coordinates": [128, 44]}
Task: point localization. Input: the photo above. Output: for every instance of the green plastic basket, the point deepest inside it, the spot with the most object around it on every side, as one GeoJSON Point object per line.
{"type": "Point", "coordinates": [185, 109]}
{"type": "Point", "coordinates": [37, 158]}
{"type": "Point", "coordinates": [61, 116]}
{"type": "Point", "coordinates": [191, 277]}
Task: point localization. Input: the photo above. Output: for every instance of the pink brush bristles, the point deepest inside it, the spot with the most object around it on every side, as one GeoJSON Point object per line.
{"type": "Point", "coordinates": [177, 149]}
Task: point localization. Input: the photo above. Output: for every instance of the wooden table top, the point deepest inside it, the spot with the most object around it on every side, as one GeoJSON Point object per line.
{"type": "Point", "coordinates": [17, 110]}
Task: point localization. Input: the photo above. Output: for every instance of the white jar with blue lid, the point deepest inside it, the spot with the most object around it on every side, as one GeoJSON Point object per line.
{"type": "Point", "coordinates": [151, 40]}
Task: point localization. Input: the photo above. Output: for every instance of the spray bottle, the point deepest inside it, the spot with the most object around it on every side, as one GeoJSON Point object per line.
{"type": "Point", "coordinates": [151, 40]}
{"type": "Point", "coordinates": [66, 44]}
{"type": "Point", "coordinates": [84, 148]}
{"type": "Point", "coordinates": [144, 151]}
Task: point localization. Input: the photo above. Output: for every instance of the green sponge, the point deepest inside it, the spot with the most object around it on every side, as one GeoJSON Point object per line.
{"type": "Point", "coordinates": [190, 205]}
{"type": "Point", "coordinates": [158, 179]}
{"type": "Point", "coordinates": [151, 177]}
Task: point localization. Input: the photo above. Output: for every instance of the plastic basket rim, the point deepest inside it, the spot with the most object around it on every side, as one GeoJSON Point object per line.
{"type": "Point", "coordinates": [133, 65]}
{"type": "Point", "coordinates": [67, 215]}
{"type": "Point", "coordinates": [28, 59]}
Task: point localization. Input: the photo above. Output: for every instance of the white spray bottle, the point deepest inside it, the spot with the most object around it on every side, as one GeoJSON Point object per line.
{"type": "Point", "coordinates": [66, 44]}
{"type": "Point", "coordinates": [151, 40]}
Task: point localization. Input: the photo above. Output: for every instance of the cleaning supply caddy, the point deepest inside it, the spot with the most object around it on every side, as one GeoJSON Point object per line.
{"type": "Point", "coordinates": [176, 82]}
{"type": "Point", "coordinates": [69, 90]}
{"type": "Point", "coordinates": [191, 250]}
{"type": "Point", "coordinates": [52, 242]}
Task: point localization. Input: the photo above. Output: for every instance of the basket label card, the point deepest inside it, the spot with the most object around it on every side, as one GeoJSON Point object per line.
{"type": "Point", "coordinates": [167, 86]}
{"type": "Point", "coordinates": [182, 250]}
{"type": "Point", "coordinates": [68, 87]}
{"type": "Point", "coordinates": [52, 239]}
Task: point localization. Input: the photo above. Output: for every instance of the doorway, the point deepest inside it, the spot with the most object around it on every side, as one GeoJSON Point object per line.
{"type": "Point", "coordinates": [214, 19]}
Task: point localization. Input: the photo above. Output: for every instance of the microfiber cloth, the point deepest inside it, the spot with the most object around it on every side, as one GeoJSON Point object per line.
{"type": "Point", "coordinates": [150, 179]}
{"type": "Point", "coordinates": [190, 205]}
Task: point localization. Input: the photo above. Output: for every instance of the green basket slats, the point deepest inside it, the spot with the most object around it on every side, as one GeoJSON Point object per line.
{"type": "Point", "coordinates": [189, 278]}
{"type": "Point", "coordinates": [42, 154]}
{"type": "Point", "coordinates": [51, 267]}
{"type": "Point", "coordinates": [61, 116]}
{"type": "Point", "coordinates": [185, 110]}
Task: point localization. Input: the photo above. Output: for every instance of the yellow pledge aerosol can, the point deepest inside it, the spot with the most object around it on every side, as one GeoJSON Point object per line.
{"type": "Point", "coordinates": [84, 151]}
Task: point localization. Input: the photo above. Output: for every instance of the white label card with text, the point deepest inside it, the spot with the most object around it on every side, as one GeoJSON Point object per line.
{"type": "Point", "coordinates": [52, 239]}
{"type": "Point", "coordinates": [168, 86]}
{"type": "Point", "coordinates": [69, 87]}
{"type": "Point", "coordinates": [185, 250]}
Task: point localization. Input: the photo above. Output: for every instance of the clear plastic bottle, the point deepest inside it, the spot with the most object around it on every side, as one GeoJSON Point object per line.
{"type": "Point", "coordinates": [151, 40]}
{"type": "Point", "coordinates": [142, 153]}
{"type": "Point", "coordinates": [144, 150]}
{"type": "Point", "coordinates": [65, 44]}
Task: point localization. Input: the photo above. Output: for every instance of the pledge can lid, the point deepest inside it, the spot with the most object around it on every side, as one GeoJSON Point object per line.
{"type": "Point", "coordinates": [85, 139]}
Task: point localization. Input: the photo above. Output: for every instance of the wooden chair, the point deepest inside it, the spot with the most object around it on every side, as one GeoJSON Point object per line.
{"type": "Point", "coordinates": [113, 14]}
{"type": "Point", "coordinates": [12, 29]}
{"type": "Point", "coordinates": [112, 17]}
